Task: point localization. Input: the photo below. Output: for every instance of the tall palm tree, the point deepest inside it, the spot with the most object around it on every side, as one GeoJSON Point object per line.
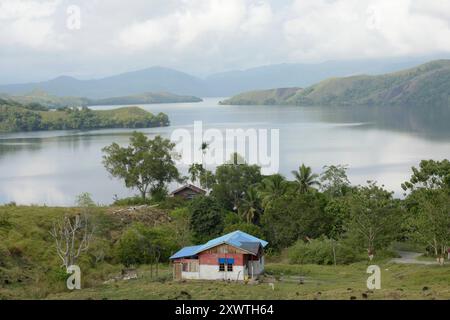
{"type": "Point", "coordinates": [305, 180]}
{"type": "Point", "coordinates": [249, 207]}
{"type": "Point", "coordinates": [271, 188]}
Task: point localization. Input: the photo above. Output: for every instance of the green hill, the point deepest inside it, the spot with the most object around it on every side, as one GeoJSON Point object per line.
{"type": "Point", "coordinates": [54, 102]}
{"type": "Point", "coordinates": [15, 118]}
{"type": "Point", "coordinates": [145, 98]}
{"type": "Point", "coordinates": [263, 97]}
{"type": "Point", "coordinates": [427, 84]}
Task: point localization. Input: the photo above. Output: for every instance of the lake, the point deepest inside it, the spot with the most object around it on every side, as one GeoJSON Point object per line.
{"type": "Point", "coordinates": [379, 144]}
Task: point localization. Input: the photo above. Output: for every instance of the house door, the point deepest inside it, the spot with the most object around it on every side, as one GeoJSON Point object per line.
{"type": "Point", "coordinates": [177, 268]}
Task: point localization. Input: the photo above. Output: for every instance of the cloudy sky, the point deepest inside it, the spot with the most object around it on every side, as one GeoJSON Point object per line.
{"type": "Point", "coordinates": [40, 39]}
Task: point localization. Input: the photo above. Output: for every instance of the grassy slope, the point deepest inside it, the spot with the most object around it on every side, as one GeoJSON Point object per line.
{"type": "Point", "coordinates": [125, 113]}
{"type": "Point", "coordinates": [421, 86]}
{"type": "Point", "coordinates": [264, 97]}
{"type": "Point", "coordinates": [30, 267]}
{"type": "Point", "coordinates": [320, 282]}
{"type": "Point", "coordinates": [51, 101]}
{"type": "Point", "coordinates": [145, 98]}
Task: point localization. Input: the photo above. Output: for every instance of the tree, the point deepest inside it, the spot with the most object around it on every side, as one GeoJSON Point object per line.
{"type": "Point", "coordinates": [232, 180]}
{"type": "Point", "coordinates": [271, 188]}
{"type": "Point", "coordinates": [293, 216]}
{"type": "Point", "coordinates": [146, 164]}
{"type": "Point", "coordinates": [206, 220]}
{"type": "Point", "coordinates": [374, 218]}
{"type": "Point", "coordinates": [195, 171]}
{"type": "Point", "coordinates": [305, 179]}
{"type": "Point", "coordinates": [250, 207]}
{"type": "Point", "coordinates": [72, 236]}
{"type": "Point", "coordinates": [429, 219]}
{"type": "Point", "coordinates": [334, 180]}
{"type": "Point", "coordinates": [430, 175]}
{"type": "Point", "coordinates": [141, 244]}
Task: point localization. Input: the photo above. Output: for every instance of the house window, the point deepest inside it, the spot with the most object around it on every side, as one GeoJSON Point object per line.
{"type": "Point", "coordinates": [229, 267]}
{"type": "Point", "coordinates": [221, 266]}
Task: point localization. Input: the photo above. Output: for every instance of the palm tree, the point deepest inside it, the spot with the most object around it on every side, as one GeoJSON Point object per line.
{"type": "Point", "coordinates": [249, 207]}
{"type": "Point", "coordinates": [305, 179]}
{"type": "Point", "coordinates": [272, 188]}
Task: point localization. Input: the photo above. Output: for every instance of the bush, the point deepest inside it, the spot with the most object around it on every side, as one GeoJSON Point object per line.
{"type": "Point", "coordinates": [140, 244]}
{"type": "Point", "coordinates": [320, 251]}
{"type": "Point", "coordinates": [132, 201]}
{"type": "Point", "coordinates": [207, 218]}
{"type": "Point", "coordinates": [245, 227]}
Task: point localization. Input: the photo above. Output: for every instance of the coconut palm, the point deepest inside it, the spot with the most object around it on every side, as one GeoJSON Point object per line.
{"type": "Point", "coordinates": [249, 206]}
{"type": "Point", "coordinates": [305, 180]}
{"type": "Point", "coordinates": [271, 188]}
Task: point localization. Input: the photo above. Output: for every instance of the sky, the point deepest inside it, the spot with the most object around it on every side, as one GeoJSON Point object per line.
{"type": "Point", "coordinates": [41, 39]}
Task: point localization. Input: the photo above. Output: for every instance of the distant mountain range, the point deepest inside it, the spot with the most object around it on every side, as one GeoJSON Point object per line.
{"type": "Point", "coordinates": [159, 79]}
{"type": "Point", "coordinates": [427, 84]}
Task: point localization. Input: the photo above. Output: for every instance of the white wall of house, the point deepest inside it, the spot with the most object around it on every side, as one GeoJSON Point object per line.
{"type": "Point", "coordinates": [211, 272]}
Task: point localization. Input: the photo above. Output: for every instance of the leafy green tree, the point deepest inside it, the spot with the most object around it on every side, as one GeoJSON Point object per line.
{"type": "Point", "coordinates": [141, 244]}
{"type": "Point", "coordinates": [429, 221]}
{"type": "Point", "coordinates": [250, 207]}
{"type": "Point", "coordinates": [195, 171]}
{"type": "Point", "coordinates": [431, 174]}
{"type": "Point", "coordinates": [334, 180]}
{"type": "Point", "coordinates": [232, 180]}
{"type": "Point", "coordinates": [305, 180]}
{"type": "Point", "coordinates": [271, 188]}
{"type": "Point", "coordinates": [374, 218]}
{"type": "Point", "coordinates": [428, 205]}
{"type": "Point", "coordinates": [207, 218]}
{"type": "Point", "coordinates": [181, 226]}
{"type": "Point", "coordinates": [249, 228]}
{"type": "Point", "coordinates": [293, 216]}
{"type": "Point", "coordinates": [146, 164]}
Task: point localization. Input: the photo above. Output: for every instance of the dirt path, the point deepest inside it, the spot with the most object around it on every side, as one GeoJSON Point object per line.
{"type": "Point", "coordinates": [410, 257]}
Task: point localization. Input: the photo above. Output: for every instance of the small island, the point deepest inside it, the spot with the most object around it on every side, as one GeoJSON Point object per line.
{"type": "Point", "coordinates": [16, 117]}
{"type": "Point", "coordinates": [50, 101]}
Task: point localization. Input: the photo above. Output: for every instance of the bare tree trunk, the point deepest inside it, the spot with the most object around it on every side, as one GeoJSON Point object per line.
{"type": "Point", "coordinates": [72, 237]}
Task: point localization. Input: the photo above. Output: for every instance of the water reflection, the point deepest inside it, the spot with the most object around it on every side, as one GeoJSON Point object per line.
{"type": "Point", "coordinates": [377, 143]}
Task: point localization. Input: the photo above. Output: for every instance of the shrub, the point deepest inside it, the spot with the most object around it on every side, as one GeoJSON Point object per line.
{"type": "Point", "coordinates": [320, 251]}
{"type": "Point", "coordinates": [140, 244]}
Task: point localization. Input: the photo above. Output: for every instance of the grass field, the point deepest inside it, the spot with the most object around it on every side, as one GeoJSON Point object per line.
{"type": "Point", "coordinates": [29, 269]}
{"type": "Point", "coordinates": [290, 282]}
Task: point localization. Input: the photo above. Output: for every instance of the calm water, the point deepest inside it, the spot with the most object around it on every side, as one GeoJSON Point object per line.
{"type": "Point", "coordinates": [378, 144]}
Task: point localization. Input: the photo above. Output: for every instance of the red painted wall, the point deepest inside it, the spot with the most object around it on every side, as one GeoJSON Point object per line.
{"type": "Point", "coordinates": [213, 258]}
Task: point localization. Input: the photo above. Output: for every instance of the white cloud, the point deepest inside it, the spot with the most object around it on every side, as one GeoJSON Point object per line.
{"type": "Point", "coordinates": [204, 36]}
{"type": "Point", "coordinates": [28, 24]}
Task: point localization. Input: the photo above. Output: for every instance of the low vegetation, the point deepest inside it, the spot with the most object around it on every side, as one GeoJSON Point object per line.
{"type": "Point", "coordinates": [55, 102]}
{"type": "Point", "coordinates": [15, 117]}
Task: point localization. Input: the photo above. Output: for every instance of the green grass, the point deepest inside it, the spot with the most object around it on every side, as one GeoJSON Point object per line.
{"type": "Point", "coordinates": [30, 269]}
{"type": "Point", "coordinates": [319, 282]}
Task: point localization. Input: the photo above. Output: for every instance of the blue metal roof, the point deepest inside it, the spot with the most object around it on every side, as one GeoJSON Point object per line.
{"type": "Point", "coordinates": [237, 239]}
{"type": "Point", "coordinates": [185, 252]}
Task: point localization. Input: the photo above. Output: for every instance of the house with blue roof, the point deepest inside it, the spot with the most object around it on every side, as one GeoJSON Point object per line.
{"type": "Point", "coordinates": [234, 256]}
